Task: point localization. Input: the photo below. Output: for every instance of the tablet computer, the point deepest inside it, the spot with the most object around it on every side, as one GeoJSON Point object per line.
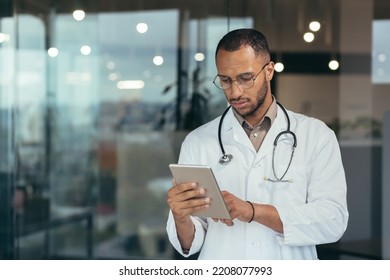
{"type": "Point", "coordinates": [204, 176]}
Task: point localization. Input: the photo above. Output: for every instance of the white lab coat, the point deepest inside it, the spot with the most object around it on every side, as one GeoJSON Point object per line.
{"type": "Point", "coordinates": [313, 207]}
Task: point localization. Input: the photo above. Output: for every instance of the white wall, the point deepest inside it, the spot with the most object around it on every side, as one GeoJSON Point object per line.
{"type": "Point", "coordinates": [302, 94]}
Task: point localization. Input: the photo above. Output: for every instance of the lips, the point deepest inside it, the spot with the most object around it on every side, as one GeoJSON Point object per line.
{"type": "Point", "coordinates": [239, 104]}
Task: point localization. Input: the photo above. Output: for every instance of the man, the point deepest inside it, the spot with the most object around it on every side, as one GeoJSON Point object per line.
{"type": "Point", "coordinates": [282, 201]}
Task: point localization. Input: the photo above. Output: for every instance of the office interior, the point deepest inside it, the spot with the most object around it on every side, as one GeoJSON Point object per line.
{"type": "Point", "coordinates": [96, 97]}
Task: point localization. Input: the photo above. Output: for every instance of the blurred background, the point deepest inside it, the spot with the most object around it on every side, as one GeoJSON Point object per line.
{"type": "Point", "coordinates": [96, 97]}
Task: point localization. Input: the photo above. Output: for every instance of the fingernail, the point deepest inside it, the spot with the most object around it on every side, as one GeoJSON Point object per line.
{"type": "Point", "coordinates": [202, 191]}
{"type": "Point", "coordinates": [193, 185]}
{"type": "Point", "coordinates": [207, 200]}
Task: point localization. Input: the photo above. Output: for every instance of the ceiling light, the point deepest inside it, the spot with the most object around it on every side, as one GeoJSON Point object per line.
{"type": "Point", "coordinates": [52, 52]}
{"type": "Point", "coordinates": [314, 26]}
{"type": "Point", "coordinates": [308, 37]}
{"type": "Point", "coordinates": [142, 27]}
{"type": "Point", "coordinates": [333, 64]}
{"type": "Point", "coordinates": [130, 84]}
{"type": "Point", "coordinates": [279, 67]}
{"type": "Point", "coordinates": [158, 60]}
{"type": "Point", "coordinates": [79, 15]}
{"type": "Point", "coordinates": [85, 50]}
{"type": "Point", "coordinates": [199, 56]}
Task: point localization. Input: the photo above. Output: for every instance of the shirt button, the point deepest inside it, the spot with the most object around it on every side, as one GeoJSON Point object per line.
{"type": "Point", "coordinates": [256, 243]}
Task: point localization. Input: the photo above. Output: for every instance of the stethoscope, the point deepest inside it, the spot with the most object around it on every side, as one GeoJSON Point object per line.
{"type": "Point", "coordinates": [226, 158]}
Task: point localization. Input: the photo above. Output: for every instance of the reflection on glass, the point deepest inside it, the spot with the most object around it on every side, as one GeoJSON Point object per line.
{"type": "Point", "coordinates": [381, 53]}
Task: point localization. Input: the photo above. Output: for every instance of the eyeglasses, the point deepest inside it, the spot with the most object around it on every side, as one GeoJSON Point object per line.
{"type": "Point", "coordinates": [244, 81]}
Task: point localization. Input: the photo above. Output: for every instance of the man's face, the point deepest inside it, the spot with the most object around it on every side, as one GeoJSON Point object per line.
{"type": "Point", "coordinates": [245, 65]}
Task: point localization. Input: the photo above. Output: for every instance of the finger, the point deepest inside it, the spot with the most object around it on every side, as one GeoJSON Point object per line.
{"type": "Point", "coordinates": [189, 205]}
{"type": "Point", "coordinates": [197, 208]}
{"type": "Point", "coordinates": [196, 203]}
{"type": "Point", "coordinates": [228, 222]}
{"type": "Point", "coordinates": [224, 193]}
{"type": "Point", "coordinates": [180, 188]}
{"type": "Point", "coordinates": [192, 194]}
{"type": "Point", "coordinates": [190, 197]}
{"type": "Point", "coordinates": [227, 197]}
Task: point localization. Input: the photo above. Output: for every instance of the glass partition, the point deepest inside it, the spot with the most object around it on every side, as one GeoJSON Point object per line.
{"type": "Point", "coordinates": [7, 160]}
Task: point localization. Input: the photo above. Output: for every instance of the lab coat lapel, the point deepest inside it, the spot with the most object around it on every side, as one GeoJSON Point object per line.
{"type": "Point", "coordinates": [237, 133]}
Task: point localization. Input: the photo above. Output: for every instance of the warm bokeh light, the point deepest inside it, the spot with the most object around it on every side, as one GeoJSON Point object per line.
{"type": "Point", "coordinates": [333, 64]}
{"type": "Point", "coordinates": [199, 57]}
{"type": "Point", "coordinates": [314, 26]}
{"type": "Point", "coordinates": [279, 67]}
{"type": "Point", "coordinates": [308, 37]}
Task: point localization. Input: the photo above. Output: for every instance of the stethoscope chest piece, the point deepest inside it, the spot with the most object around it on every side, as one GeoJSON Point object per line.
{"type": "Point", "coordinates": [225, 159]}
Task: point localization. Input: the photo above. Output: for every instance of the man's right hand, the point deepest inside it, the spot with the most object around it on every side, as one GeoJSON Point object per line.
{"type": "Point", "coordinates": [184, 199]}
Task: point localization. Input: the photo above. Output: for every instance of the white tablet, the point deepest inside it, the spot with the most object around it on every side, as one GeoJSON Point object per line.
{"type": "Point", "coordinates": [203, 175]}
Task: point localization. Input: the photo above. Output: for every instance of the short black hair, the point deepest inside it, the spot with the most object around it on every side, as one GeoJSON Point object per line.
{"type": "Point", "coordinates": [238, 38]}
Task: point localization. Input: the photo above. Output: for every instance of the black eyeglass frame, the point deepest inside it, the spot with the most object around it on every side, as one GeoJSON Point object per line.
{"type": "Point", "coordinates": [240, 85]}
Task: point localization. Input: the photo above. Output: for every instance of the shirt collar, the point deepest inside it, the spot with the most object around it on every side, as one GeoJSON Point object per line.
{"type": "Point", "coordinates": [270, 115]}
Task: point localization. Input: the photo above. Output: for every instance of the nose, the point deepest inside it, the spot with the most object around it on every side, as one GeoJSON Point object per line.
{"type": "Point", "coordinates": [236, 90]}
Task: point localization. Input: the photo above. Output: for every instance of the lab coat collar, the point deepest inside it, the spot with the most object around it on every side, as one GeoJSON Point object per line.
{"type": "Point", "coordinates": [231, 124]}
{"type": "Point", "coordinates": [232, 129]}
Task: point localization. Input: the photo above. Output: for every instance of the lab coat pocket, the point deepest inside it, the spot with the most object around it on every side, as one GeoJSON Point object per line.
{"type": "Point", "coordinates": [292, 189]}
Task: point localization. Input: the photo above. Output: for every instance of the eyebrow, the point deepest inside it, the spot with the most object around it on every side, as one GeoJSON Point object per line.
{"type": "Point", "coordinates": [244, 73]}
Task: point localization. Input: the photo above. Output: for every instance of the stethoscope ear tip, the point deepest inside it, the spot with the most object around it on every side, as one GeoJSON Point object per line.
{"type": "Point", "coordinates": [225, 159]}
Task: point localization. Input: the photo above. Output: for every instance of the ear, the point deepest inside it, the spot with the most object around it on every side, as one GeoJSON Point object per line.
{"type": "Point", "coordinates": [269, 71]}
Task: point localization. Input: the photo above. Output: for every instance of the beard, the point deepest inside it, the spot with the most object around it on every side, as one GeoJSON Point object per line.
{"type": "Point", "coordinates": [260, 97]}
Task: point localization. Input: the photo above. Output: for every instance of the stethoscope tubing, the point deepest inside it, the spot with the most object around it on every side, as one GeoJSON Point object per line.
{"type": "Point", "coordinates": [226, 158]}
